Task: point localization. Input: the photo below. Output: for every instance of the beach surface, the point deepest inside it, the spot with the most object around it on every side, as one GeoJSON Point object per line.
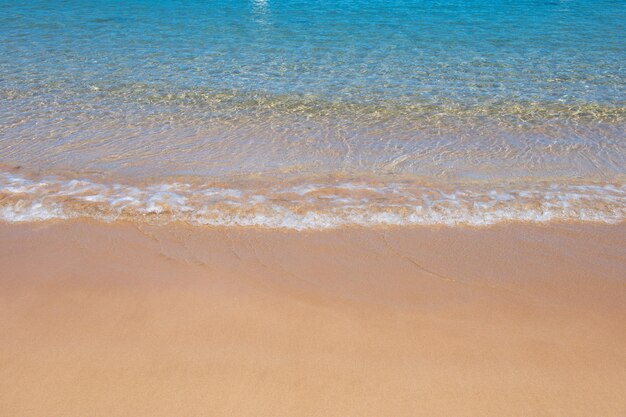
{"type": "Point", "coordinates": [343, 208]}
{"type": "Point", "coordinates": [137, 320]}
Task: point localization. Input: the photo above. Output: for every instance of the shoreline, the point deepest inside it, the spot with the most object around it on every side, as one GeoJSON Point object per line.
{"type": "Point", "coordinates": [306, 204]}
{"type": "Point", "coordinates": [122, 319]}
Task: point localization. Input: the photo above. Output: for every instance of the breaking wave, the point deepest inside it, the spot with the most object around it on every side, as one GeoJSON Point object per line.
{"type": "Point", "coordinates": [309, 204]}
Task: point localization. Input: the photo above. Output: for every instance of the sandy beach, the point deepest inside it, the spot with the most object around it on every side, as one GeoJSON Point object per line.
{"type": "Point", "coordinates": [265, 208]}
{"type": "Point", "coordinates": [127, 320]}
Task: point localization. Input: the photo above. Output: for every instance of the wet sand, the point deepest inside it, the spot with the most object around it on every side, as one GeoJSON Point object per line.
{"type": "Point", "coordinates": [126, 320]}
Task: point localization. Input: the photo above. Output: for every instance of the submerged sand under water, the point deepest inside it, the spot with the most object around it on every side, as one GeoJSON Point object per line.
{"type": "Point", "coordinates": [135, 319]}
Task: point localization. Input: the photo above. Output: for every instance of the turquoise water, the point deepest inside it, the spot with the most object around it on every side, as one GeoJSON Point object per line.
{"type": "Point", "coordinates": [456, 96]}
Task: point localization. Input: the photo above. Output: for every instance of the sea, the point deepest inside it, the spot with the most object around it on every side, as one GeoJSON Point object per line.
{"type": "Point", "coordinates": [313, 114]}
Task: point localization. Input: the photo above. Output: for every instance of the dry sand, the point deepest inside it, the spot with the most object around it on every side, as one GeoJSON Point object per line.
{"type": "Point", "coordinates": [122, 320]}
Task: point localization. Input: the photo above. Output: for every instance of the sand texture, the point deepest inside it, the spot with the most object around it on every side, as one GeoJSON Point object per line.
{"type": "Point", "coordinates": [120, 320]}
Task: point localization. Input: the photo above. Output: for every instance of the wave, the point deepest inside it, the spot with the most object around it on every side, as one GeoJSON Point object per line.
{"type": "Point", "coordinates": [307, 204]}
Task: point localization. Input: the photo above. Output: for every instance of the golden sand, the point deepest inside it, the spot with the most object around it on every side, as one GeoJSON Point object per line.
{"type": "Point", "coordinates": [121, 320]}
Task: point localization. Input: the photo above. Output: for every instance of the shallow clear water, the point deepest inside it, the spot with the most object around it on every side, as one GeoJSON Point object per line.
{"type": "Point", "coordinates": [438, 96]}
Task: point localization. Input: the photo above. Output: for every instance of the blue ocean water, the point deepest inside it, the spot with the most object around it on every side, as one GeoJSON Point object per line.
{"type": "Point", "coordinates": [364, 51]}
{"type": "Point", "coordinates": [447, 94]}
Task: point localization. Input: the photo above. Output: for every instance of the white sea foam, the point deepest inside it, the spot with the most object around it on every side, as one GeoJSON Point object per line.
{"type": "Point", "coordinates": [310, 205]}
